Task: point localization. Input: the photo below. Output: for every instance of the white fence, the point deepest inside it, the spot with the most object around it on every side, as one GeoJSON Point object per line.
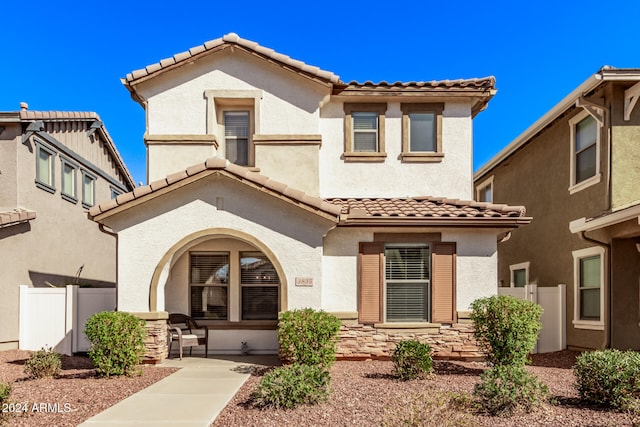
{"type": "Point", "coordinates": [55, 317]}
{"type": "Point", "coordinates": [553, 336]}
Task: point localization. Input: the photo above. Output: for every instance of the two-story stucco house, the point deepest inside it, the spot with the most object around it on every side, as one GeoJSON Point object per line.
{"type": "Point", "coordinates": [275, 185]}
{"type": "Point", "coordinates": [577, 170]}
{"type": "Point", "coordinates": [54, 166]}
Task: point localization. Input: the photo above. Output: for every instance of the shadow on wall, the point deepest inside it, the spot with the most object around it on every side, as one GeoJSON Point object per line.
{"type": "Point", "coordinates": [42, 280]}
{"type": "Point", "coordinates": [13, 230]}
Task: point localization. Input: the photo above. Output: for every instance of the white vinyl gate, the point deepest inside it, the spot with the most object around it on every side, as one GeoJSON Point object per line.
{"type": "Point", "coordinates": [55, 317]}
{"type": "Point", "coordinates": [553, 301]}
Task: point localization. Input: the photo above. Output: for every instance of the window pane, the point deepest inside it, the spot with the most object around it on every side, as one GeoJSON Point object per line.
{"type": "Point", "coordinates": [68, 180]}
{"type": "Point", "coordinates": [365, 141]}
{"type": "Point", "coordinates": [585, 133]}
{"type": "Point", "coordinates": [259, 303]}
{"type": "Point", "coordinates": [590, 304]}
{"type": "Point", "coordinates": [256, 269]}
{"type": "Point", "coordinates": [590, 272]}
{"type": "Point", "coordinates": [407, 301]}
{"type": "Point", "coordinates": [88, 190]}
{"type": "Point", "coordinates": [422, 132]}
{"type": "Point", "coordinates": [485, 194]}
{"type": "Point", "coordinates": [236, 131]}
{"type": "Point", "coordinates": [520, 278]}
{"type": "Point", "coordinates": [586, 164]}
{"type": "Point", "coordinates": [209, 268]}
{"type": "Point", "coordinates": [407, 263]}
{"type": "Point", "coordinates": [238, 151]}
{"type": "Point", "coordinates": [365, 120]}
{"type": "Point", "coordinates": [209, 302]}
{"type": "Point", "coordinates": [43, 170]}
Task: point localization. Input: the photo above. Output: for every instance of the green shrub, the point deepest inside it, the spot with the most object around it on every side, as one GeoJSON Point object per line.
{"type": "Point", "coordinates": [505, 390]}
{"type": "Point", "coordinates": [609, 378]}
{"type": "Point", "coordinates": [506, 328]}
{"type": "Point", "coordinates": [308, 337]}
{"type": "Point", "coordinates": [432, 408]}
{"type": "Point", "coordinates": [5, 392]}
{"type": "Point", "coordinates": [117, 342]}
{"type": "Point", "coordinates": [43, 363]}
{"type": "Point", "coordinates": [292, 385]}
{"type": "Point", "coordinates": [412, 359]}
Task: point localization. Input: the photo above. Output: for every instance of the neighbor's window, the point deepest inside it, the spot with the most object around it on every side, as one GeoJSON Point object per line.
{"type": "Point", "coordinates": [484, 191]}
{"type": "Point", "coordinates": [115, 192]}
{"type": "Point", "coordinates": [588, 284]}
{"type": "Point", "coordinates": [209, 285]}
{"type": "Point", "coordinates": [585, 156]}
{"type": "Point", "coordinates": [259, 282]}
{"type": "Point", "coordinates": [236, 134]}
{"type": "Point", "coordinates": [88, 189]}
{"type": "Point", "coordinates": [422, 132]}
{"type": "Point", "coordinates": [44, 168]}
{"type": "Point", "coordinates": [364, 132]}
{"type": "Point", "coordinates": [407, 272]}
{"type": "Point", "coordinates": [69, 181]}
{"type": "Point", "coordinates": [519, 275]}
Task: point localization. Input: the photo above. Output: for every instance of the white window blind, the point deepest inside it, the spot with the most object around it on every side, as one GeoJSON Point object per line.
{"type": "Point", "coordinates": [585, 146]}
{"type": "Point", "coordinates": [422, 132]}
{"type": "Point", "coordinates": [88, 189]}
{"type": "Point", "coordinates": [44, 167]}
{"type": "Point", "coordinates": [590, 288]}
{"type": "Point", "coordinates": [260, 283]}
{"type": "Point", "coordinates": [68, 179]}
{"type": "Point", "coordinates": [236, 132]}
{"type": "Point", "coordinates": [365, 131]}
{"type": "Point", "coordinates": [209, 278]}
{"type": "Point", "coordinates": [407, 272]}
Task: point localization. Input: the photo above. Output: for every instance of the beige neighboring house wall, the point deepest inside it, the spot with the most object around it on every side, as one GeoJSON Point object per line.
{"type": "Point", "coordinates": [332, 188]}
{"type": "Point", "coordinates": [56, 239]}
{"type": "Point", "coordinates": [575, 222]}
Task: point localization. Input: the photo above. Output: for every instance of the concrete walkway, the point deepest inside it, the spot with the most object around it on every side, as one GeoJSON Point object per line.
{"type": "Point", "coordinates": [190, 397]}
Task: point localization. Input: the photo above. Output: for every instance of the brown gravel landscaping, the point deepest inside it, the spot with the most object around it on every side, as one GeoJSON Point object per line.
{"type": "Point", "coordinates": [366, 394]}
{"type": "Point", "coordinates": [76, 395]}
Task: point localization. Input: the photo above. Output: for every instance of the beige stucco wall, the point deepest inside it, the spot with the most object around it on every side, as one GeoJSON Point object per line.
{"type": "Point", "coordinates": [54, 245]}
{"type": "Point", "coordinates": [296, 164]}
{"type": "Point", "coordinates": [475, 264]}
{"type": "Point", "coordinates": [166, 158]}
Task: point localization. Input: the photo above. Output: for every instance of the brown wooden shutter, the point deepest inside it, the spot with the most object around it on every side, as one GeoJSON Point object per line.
{"type": "Point", "coordinates": [443, 283]}
{"type": "Point", "coordinates": [370, 262]}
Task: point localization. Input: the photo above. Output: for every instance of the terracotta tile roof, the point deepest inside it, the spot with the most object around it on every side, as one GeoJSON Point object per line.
{"type": "Point", "coordinates": [425, 208]}
{"type": "Point", "coordinates": [15, 216]}
{"type": "Point", "coordinates": [217, 165]}
{"type": "Point", "coordinates": [473, 84]}
{"type": "Point", "coordinates": [231, 39]}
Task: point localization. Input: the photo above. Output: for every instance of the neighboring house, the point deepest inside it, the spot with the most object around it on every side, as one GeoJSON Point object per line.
{"type": "Point", "coordinates": [275, 185]}
{"type": "Point", "coordinates": [577, 170]}
{"type": "Point", "coordinates": [54, 166]}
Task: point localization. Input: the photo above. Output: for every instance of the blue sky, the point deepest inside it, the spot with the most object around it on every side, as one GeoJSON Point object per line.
{"type": "Point", "coordinates": [70, 55]}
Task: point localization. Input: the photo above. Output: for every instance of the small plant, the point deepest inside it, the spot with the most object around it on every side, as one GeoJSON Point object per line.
{"type": "Point", "coordinates": [430, 409]}
{"type": "Point", "coordinates": [308, 337]}
{"type": "Point", "coordinates": [506, 390]}
{"type": "Point", "coordinates": [117, 342]}
{"type": "Point", "coordinates": [412, 359]}
{"type": "Point", "coordinates": [292, 385]}
{"type": "Point", "coordinates": [5, 392]}
{"type": "Point", "coordinates": [506, 328]}
{"type": "Point", "coordinates": [43, 363]}
{"type": "Point", "coordinates": [609, 378]}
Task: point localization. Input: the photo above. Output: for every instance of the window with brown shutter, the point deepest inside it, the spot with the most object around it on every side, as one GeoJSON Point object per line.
{"type": "Point", "coordinates": [418, 287]}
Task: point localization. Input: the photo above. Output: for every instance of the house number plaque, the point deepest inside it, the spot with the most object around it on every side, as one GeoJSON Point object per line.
{"type": "Point", "coordinates": [304, 281]}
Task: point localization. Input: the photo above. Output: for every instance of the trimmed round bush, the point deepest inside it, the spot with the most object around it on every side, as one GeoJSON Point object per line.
{"type": "Point", "coordinates": [506, 328]}
{"type": "Point", "coordinates": [505, 390]}
{"type": "Point", "coordinates": [308, 337]}
{"type": "Point", "coordinates": [292, 385]}
{"type": "Point", "coordinates": [412, 359]}
{"type": "Point", "coordinates": [43, 363]}
{"type": "Point", "coordinates": [117, 342]}
{"type": "Point", "coordinates": [608, 378]}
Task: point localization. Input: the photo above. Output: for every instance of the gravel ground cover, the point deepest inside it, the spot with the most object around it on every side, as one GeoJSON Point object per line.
{"type": "Point", "coordinates": [367, 394]}
{"type": "Point", "coordinates": [76, 395]}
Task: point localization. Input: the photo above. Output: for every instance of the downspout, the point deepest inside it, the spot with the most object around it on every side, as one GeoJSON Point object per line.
{"type": "Point", "coordinates": [102, 228]}
{"type": "Point", "coordinates": [606, 342]}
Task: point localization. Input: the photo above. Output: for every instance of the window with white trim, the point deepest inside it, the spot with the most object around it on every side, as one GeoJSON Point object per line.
{"type": "Point", "coordinates": [44, 168]}
{"type": "Point", "coordinates": [209, 285]}
{"type": "Point", "coordinates": [68, 187]}
{"type": "Point", "coordinates": [407, 284]}
{"type": "Point", "coordinates": [88, 189]}
{"type": "Point", "coordinates": [236, 136]}
{"type": "Point", "coordinates": [585, 151]}
{"type": "Point", "coordinates": [484, 191]}
{"type": "Point", "coordinates": [588, 265]}
{"type": "Point", "coordinates": [519, 274]}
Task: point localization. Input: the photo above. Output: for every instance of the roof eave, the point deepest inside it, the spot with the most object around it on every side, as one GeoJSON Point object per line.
{"type": "Point", "coordinates": [509, 222]}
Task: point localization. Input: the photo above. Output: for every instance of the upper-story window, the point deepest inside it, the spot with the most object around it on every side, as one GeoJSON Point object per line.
{"type": "Point", "coordinates": [68, 181]}
{"type": "Point", "coordinates": [44, 168]}
{"type": "Point", "coordinates": [237, 134]}
{"type": "Point", "coordinates": [484, 191]}
{"type": "Point", "coordinates": [364, 132]}
{"type": "Point", "coordinates": [585, 152]}
{"type": "Point", "coordinates": [422, 132]}
{"type": "Point", "coordinates": [88, 189]}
